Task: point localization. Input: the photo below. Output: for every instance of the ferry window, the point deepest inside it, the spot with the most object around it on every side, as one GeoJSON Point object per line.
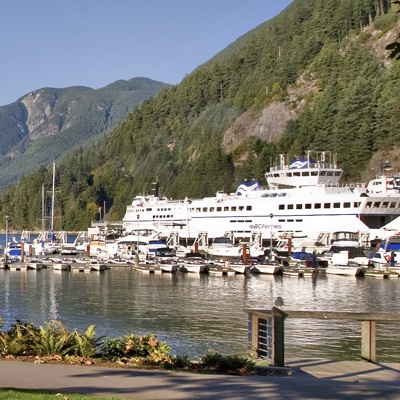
{"type": "Point", "coordinates": [317, 205]}
{"type": "Point", "coordinates": [281, 220]}
{"type": "Point", "coordinates": [290, 206]}
{"type": "Point", "coordinates": [226, 208]}
{"type": "Point", "coordinates": [323, 173]}
{"type": "Point", "coordinates": [393, 204]}
{"type": "Point", "coordinates": [296, 173]}
{"type": "Point", "coordinates": [356, 204]}
{"type": "Point", "coordinates": [241, 208]}
{"type": "Point", "coordinates": [377, 204]}
{"type": "Point", "coordinates": [314, 173]}
{"type": "Point", "coordinates": [299, 206]}
{"type": "Point", "coordinates": [148, 209]}
{"type": "Point", "coordinates": [276, 175]}
{"type": "Point", "coordinates": [290, 220]}
{"type": "Point", "coordinates": [219, 208]}
{"type": "Point", "coordinates": [204, 209]}
{"type": "Point", "coordinates": [249, 208]}
{"type": "Point", "coordinates": [329, 173]}
{"type": "Point", "coordinates": [308, 206]}
{"type": "Point", "coordinates": [233, 208]}
{"type": "Point", "coordinates": [281, 206]}
{"type": "Point", "coordinates": [369, 204]}
{"type": "Point", "coordinates": [337, 173]}
{"type": "Point", "coordinates": [336, 205]}
{"type": "Point", "coordinates": [385, 204]}
{"type": "Point", "coordinates": [211, 209]}
{"type": "Point", "coordinates": [299, 220]}
{"type": "Point", "coordinates": [289, 174]}
{"type": "Point", "coordinates": [198, 209]}
{"type": "Point", "coordinates": [305, 173]}
{"type": "Point", "coordinates": [346, 204]}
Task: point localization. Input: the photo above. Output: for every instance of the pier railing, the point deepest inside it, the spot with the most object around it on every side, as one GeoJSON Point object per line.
{"type": "Point", "coordinates": [266, 330]}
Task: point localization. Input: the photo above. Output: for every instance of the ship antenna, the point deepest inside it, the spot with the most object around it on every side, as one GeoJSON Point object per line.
{"type": "Point", "coordinates": [156, 189]}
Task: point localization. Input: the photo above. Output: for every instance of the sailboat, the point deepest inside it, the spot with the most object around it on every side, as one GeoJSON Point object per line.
{"type": "Point", "coordinates": [47, 243]}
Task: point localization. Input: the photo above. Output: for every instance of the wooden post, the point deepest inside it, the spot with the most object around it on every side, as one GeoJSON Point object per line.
{"type": "Point", "coordinates": [22, 252]}
{"type": "Point", "coordinates": [278, 337]}
{"type": "Point", "coordinates": [368, 340]}
{"type": "Point", "coordinates": [196, 247]}
{"type": "Point", "coordinates": [254, 335]}
{"type": "Point", "coordinates": [244, 253]}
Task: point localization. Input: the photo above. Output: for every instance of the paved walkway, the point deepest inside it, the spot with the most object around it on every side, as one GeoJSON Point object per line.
{"type": "Point", "coordinates": [311, 379]}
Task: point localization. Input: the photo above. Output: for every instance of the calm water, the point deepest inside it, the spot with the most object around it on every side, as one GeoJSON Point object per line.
{"type": "Point", "coordinates": [195, 313]}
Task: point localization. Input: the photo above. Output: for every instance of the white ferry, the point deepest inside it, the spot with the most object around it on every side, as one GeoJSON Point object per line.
{"type": "Point", "coordinates": [303, 198]}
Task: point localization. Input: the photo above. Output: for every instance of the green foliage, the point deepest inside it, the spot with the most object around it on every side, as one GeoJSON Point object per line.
{"type": "Point", "coordinates": [51, 340]}
{"type": "Point", "coordinates": [17, 340]}
{"type": "Point", "coordinates": [131, 348]}
{"type": "Point", "coordinates": [228, 364]}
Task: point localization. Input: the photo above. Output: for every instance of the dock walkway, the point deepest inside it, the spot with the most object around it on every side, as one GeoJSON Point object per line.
{"type": "Point", "coordinates": [352, 371]}
{"type": "Point", "coordinates": [309, 379]}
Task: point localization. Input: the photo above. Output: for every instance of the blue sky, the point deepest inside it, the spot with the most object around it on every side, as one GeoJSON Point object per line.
{"type": "Point", "coordinates": [61, 43]}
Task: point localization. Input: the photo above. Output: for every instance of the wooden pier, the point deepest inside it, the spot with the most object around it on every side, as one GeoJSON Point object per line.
{"type": "Point", "coordinates": [266, 330]}
{"type": "Point", "coordinates": [350, 371]}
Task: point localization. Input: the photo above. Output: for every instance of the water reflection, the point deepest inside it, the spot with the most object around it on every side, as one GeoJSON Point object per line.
{"type": "Point", "coordinates": [194, 313]}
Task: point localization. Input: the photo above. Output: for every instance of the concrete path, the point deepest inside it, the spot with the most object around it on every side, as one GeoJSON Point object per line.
{"type": "Point", "coordinates": [382, 382]}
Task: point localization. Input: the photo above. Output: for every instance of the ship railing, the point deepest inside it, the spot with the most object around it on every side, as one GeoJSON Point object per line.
{"type": "Point", "coordinates": [310, 165]}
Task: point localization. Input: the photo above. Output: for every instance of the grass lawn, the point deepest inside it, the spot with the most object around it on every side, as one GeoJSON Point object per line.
{"type": "Point", "coordinates": [25, 394]}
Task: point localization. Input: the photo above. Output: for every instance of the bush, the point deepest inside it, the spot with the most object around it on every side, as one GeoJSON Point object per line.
{"type": "Point", "coordinates": [130, 348]}
{"type": "Point", "coordinates": [237, 364]}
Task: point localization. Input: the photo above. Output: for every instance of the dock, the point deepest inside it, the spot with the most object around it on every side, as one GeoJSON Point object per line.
{"type": "Point", "coordinates": [148, 268]}
{"type": "Point", "coordinates": [80, 267]}
{"type": "Point", "coordinates": [350, 371]}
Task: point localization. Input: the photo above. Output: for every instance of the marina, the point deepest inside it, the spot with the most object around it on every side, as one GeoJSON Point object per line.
{"type": "Point", "coordinates": [196, 312]}
{"type": "Point", "coordinates": [150, 275]}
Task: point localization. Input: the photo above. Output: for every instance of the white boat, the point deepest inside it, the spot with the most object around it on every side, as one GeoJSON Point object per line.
{"type": "Point", "coordinates": [345, 270]}
{"type": "Point", "coordinates": [168, 264]}
{"type": "Point", "coordinates": [267, 268]}
{"type": "Point", "coordinates": [223, 247]}
{"type": "Point", "coordinates": [194, 264]}
{"type": "Point", "coordinates": [339, 265]}
{"type": "Point", "coordinates": [304, 196]}
{"type": "Point", "coordinates": [239, 268]}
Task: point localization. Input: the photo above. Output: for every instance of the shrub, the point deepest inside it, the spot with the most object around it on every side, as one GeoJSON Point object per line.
{"type": "Point", "coordinates": [237, 364]}
{"type": "Point", "coordinates": [129, 348]}
{"type": "Point", "coordinates": [17, 340]}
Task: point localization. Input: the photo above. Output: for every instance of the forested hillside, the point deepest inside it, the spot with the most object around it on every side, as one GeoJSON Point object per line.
{"type": "Point", "coordinates": [43, 125]}
{"type": "Point", "coordinates": [323, 61]}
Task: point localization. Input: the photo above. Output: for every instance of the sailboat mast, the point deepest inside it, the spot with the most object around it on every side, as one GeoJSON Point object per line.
{"type": "Point", "coordinates": [52, 198]}
{"type": "Point", "coordinates": [43, 209]}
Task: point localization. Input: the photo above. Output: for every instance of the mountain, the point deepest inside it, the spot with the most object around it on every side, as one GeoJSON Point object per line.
{"type": "Point", "coordinates": [318, 76]}
{"type": "Point", "coordinates": [43, 125]}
